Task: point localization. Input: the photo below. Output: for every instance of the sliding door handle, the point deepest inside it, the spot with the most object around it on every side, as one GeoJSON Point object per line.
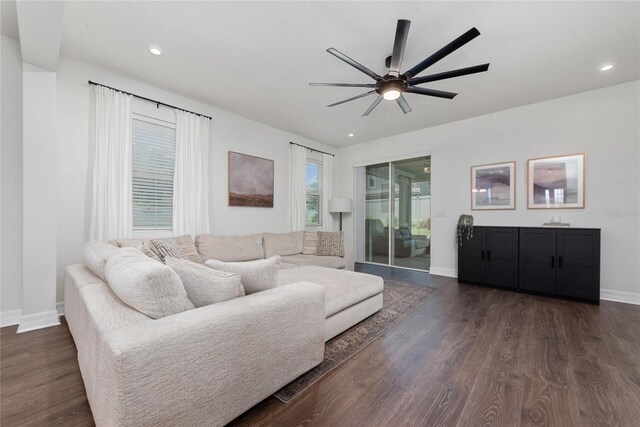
{"type": "Point", "coordinates": [553, 259]}
{"type": "Point", "coordinates": [482, 256]}
{"type": "Point", "coordinates": [560, 262]}
{"type": "Point", "coordinates": [489, 256]}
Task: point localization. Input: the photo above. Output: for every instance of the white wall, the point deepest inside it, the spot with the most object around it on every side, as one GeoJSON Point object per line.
{"type": "Point", "coordinates": [11, 192]}
{"type": "Point", "coordinates": [229, 132]}
{"type": "Point", "coordinates": [40, 214]}
{"type": "Point", "coordinates": [602, 123]}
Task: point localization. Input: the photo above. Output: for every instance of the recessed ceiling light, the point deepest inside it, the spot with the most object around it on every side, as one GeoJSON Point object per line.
{"type": "Point", "coordinates": [155, 50]}
{"type": "Point", "coordinates": [350, 135]}
{"type": "Point", "coordinates": [606, 67]}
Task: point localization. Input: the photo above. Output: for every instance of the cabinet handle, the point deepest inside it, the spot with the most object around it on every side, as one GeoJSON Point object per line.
{"type": "Point", "coordinates": [488, 255]}
{"type": "Point", "coordinates": [560, 262]}
{"type": "Point", "coordinates": [482, 256]}
{"type": "Point", "coordinates": [553, 261]}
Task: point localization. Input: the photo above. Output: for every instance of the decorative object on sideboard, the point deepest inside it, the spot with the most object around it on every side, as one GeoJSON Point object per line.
{"type": "Point", "coordinates": [493, 186]}
{"type": "Point", "coordinates": [556, 182]}
{"type": "Point", "coordinates": [556, 222]}
{"type": "Point", "coordinates": [464, 229]}
{"type": "Point", "coordinates": [340, 206]}
{"type": "Point", "coordinates": [250, 181]}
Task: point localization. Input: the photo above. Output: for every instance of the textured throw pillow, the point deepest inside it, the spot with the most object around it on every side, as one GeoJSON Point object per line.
{"type": "Point", "coordinates": [187, 249]}
{"type": "Point", "coordinates": [95, 254]}
{"type": "Point", "coordinates": [138, 244]}
{"type": "Point", "coordinates": [331, 243]}
{"type": "Point", "coordinates": [310, 243]}
{"type": "Point", "coordinates": [258, 275]}
{"type": "Point", "coordinates": [148, 286]}
{"type": "Point", "coordinates": [205, 285]}
{"type": "Point", "coordinates": [166, 248]}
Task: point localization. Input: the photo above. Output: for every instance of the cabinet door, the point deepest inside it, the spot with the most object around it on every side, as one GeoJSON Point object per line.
{"type": "Point", "coordinates": [578, 272]}
{"type": "Point", "coordinates": [538, 260]}
{"type": "Point", "coordinates": [471, 257]}
{"type": "Point", "coordinates": [502, 257]}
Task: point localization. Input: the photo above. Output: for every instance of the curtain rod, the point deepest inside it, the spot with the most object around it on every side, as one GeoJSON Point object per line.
{"type": "Point", "coordinates": [312, 149]}
{"type": "Point", "coordinates": [158, 103]}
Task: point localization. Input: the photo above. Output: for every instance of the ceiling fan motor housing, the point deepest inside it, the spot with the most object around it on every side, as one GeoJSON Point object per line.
{"type": "Point", "coordinates": [389, 82]}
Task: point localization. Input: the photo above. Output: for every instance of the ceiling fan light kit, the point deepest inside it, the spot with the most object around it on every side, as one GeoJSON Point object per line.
{"type": "Point", "coordinates": [393, 85]}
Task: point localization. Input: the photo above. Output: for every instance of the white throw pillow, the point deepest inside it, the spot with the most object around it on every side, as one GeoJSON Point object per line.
{"type": "Point", "coordinates": [150, 287]}
{"type": "Point", "coordinates": [205, 285]}
{"type": "Point", "coordinates": [310, 243]}
{"type": "Point", "coordinates": [95, 255]}
{"type": "Point", "coordinates": [258, 275]}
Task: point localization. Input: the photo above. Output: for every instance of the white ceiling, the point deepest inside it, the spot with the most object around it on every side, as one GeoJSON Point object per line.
{"type": "Point", "coordinates": [256, 58]}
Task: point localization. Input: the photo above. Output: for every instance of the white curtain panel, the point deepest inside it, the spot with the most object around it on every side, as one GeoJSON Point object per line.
{"type": "Point", "coordinates": [298, 187]}
{"type": "Point", "coordinates": [327, 186]}
{"type": "Point", "coordinates": [191, 175]}
{"type": "Point", "coordinates": [111, 211]}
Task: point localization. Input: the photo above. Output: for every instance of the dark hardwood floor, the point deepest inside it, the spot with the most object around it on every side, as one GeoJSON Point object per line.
{"type": "Point", "coordinates": [470, 356]}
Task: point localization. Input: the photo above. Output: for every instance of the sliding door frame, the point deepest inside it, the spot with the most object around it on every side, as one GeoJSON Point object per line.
{"type": "Point", "coordinates": [391, 209]}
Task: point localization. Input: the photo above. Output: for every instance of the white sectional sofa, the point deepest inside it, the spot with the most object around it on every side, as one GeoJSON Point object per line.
{"type": "Point", "coordinates": [201, 367]}
{"type": "Point", "coordinates": [206, 366]}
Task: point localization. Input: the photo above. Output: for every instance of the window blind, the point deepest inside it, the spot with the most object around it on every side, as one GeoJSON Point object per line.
{"type": "Point", "coordinates": [153, 155]}
{"type": "Point", "coordinates": [314, 192]}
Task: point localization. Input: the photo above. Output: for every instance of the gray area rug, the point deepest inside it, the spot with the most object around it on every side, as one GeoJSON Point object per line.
{"type": "Point", "coordinates": [399, 299]}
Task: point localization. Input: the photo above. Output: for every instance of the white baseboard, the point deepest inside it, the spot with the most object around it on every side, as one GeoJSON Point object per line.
{"type": "Point", "coordinates": [13, 317]}
{"type": "Point", "coordinates": [10, 317]}
{"type": "Point", "coordinates": [619, 296]}
{"type": "Point", "coordinates": [41, 320]}
{"type": "Point", "coordinates": [448, 272]}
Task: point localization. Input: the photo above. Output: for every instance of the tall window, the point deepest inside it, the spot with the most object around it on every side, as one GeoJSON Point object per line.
{"type": "Point", "coordinates": [153, 154]}
{"type": "Point", "coordinates": [314, 192]}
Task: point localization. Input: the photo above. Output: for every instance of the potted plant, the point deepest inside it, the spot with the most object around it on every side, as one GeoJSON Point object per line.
{"type": "Point", "coordinates": [464, 228]}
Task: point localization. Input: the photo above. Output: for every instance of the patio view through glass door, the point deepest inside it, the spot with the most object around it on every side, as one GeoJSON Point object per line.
{"type": "Point", "coordinates": [398, 213]}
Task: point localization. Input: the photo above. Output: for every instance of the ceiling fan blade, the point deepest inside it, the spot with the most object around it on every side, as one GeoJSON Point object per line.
{"type": "Point", "coordinates": [431, 92]}
{"type": "Point", "coordinates": [344, 84]}
{"type": "Point", "coordinates": [352, 99]}
{"type": "Point", "coordinates": [372, 106]}
{"type": "Point", "coordinates": [449, 74]}
{"type": "Point", "coordinates": [353, 63]}
{"type": "Point", "coordinates": [402, 31]}
{"type": "Point", "coordinates": [403, 104]}
{"type": "Point", "coordinates": [451, 47]}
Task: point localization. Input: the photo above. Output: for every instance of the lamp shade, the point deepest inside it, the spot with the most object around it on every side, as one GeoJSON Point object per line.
{"type": "Point", "coordinates": [339, 205]}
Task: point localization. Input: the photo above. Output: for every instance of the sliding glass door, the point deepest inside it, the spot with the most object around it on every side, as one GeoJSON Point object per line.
{"type": "Point", "coordinates": [398, 213]}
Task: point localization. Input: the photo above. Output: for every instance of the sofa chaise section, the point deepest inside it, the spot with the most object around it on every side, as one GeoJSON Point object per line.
{"type": "Point", "coordinates": [200, 367]}
{"type": "Point", "coordinates": [350, 297]}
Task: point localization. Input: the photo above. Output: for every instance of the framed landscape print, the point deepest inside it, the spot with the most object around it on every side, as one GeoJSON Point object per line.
{"type": "Point", "coordinates": [250, 181]}
{"type": "Point", "coordinates": [556, 182]}
{"type": "Point", "coordinates": [493, 186]}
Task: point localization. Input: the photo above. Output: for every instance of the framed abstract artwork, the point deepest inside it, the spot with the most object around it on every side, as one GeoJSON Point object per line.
{"type": "Point", "coordinates": [556, 182]}
{"type": "Point", "coordinates": [250, 181]}
{"type": "Point", "coordinates": [493, 186]}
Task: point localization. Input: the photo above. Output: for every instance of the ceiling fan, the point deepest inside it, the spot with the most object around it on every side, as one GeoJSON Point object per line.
{"type": "Point", "coordinates": [392, 85]}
